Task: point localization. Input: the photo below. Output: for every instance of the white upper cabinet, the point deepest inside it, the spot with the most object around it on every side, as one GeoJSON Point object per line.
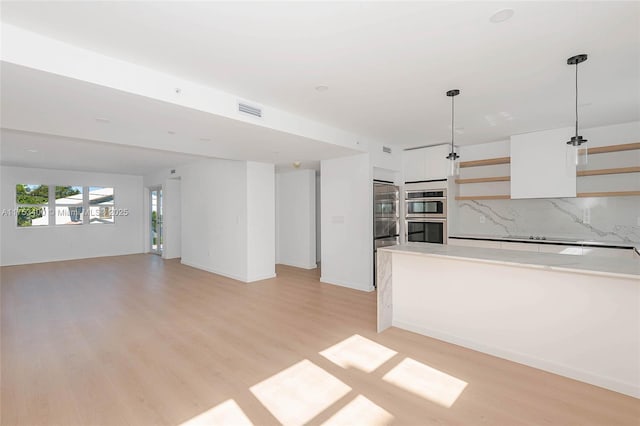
{"type": "Point", "coordinates": [543, 165]}
{"type": "Point", "coordinates": [425, 163]}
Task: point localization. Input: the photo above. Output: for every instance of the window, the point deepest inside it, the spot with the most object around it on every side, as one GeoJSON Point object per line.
{"type": "Point", "coordinates": [101, 206]}
{"type": "Point", "coordinates": [69, 205]}
{"type": "Point", "coordinates": [72, 205]}
{"type": "Point", "coordinates": [32, 205]}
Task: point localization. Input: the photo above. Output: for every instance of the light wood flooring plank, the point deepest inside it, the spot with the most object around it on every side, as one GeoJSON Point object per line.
{"type": "Point", "coordinates": [139, 340]}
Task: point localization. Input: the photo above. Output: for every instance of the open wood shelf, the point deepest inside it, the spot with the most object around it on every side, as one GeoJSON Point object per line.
{"type": "Point", "coordinates": [579, 195]}
{"type": "Point", "coordinates": [485, 179]}
{"type": "Point", "coordinates": [487, 162]}
{"type": "Point", "coordinates": [613, 148]}
{"type": "Point", "coordinates": [484, 197]}
{"type": "Point", "coordinates": [607, 194]}
{"type": "Point", "coordinates": [608, 171]}
{"type": "Point", "coordinates": [579, 173]}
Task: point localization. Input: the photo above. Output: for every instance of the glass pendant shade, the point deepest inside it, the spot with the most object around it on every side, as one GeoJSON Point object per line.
{"type": "Point", "coordinates": [454, 167]}
{"type": "Point", "coordinates": [582, 157]}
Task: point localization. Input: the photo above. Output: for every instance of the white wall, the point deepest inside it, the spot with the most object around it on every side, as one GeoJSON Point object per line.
{"type": "Point", "coordinates": [222, 230]}
{"type": "Point", "coordinates": [347, 222]}
{"type": "Point", "coordinates": [214, 217]}
{"type": "Point", "coordinates": [52, 243]}
{"type": "Point", "coordinates": [260, 221]}
{"type": "Point", "coordinates": [297, 218]}
{"type": "Point", "coordinates": [172, 218]}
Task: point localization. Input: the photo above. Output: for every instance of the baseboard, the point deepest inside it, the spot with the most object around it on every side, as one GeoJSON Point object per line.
{"type": "Point", "coordinates": [213, 271]}
{"type": "Point", "coordinates": [260, 278]}
{"type": "Point", "coordinates": [522, 358]}
{"type": "Point", "coordinates": [341, 283]}
{"type": "Point", "coordinates": [66, 259]}
{"type": "Point", "coordinates": [298, 265]}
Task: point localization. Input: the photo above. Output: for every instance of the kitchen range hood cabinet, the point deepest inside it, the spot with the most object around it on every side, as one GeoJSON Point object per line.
{"type": "Point", "coordinates": [543, 165]}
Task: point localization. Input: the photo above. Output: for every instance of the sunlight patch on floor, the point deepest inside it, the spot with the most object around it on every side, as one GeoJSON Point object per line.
{"type": "Point", "coordinates": [358, 352]}
{"type": "Point", "coordinates": [425, 381]}
{"type": "Point", "coordinates": [360, 411]}
{"type": "Point", "coordinates": [299, 393]}
{"type": "Point", "coordinates": [226, 413]}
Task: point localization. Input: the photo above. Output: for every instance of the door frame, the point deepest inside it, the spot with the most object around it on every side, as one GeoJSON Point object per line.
{"type": "Point", "coordinates": [159, 246]}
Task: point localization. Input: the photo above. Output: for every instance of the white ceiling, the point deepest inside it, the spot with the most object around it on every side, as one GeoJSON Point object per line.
{"type": "Point", "coordinates": [55, 152]}
{"type": "Point", "coordinates": [387, 65]}
{"type": "Point", "coordinates": [39, 102]}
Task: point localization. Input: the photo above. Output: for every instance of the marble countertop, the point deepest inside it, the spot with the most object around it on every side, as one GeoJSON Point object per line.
{"type": "Point", "coordinates": [614, 267]}
{"type": "Point", "coordinates": [549, 240]}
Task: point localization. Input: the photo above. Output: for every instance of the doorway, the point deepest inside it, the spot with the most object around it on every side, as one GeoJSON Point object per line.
{"type": "Point", "coordinates": [156, 234]}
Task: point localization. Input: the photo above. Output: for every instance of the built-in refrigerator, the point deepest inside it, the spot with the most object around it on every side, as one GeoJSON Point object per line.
{"type": "Point", "coordinates": [386, 218]}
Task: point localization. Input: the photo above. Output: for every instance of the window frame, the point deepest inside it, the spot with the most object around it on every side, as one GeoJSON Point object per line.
{"type": "Point", "coordinates": [46, 207]}
{"type": "Point", "coordinates": [50, 207]}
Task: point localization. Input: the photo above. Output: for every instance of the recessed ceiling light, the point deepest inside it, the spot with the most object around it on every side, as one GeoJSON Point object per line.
{"type": "Point", "coordinates": [103, 120]}
{"type": "Point", "coordinates": [31, 150]}
{"type": "Point", "coordinates": [171, 132]}
{"type": "Point", "coordinates": [501, 15]}
{"type": "Point", "coordinates": [322, 88]}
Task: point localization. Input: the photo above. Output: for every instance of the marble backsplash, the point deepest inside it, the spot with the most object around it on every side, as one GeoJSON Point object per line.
{"type": "Point", "coordinates": [613, 219]}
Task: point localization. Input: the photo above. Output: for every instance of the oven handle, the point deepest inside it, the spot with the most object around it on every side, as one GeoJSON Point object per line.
{"type": "Point", "coordinates": [414, 219]}
{"type": "Point", "coordinates": [426, 198]}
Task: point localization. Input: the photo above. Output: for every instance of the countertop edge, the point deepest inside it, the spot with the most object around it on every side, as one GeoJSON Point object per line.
{"type": "Point", "coordinates": [603, 244]}
{"type": "Point", "coordinates": [390, 249]}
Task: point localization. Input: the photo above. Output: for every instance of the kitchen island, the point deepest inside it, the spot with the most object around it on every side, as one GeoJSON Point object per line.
{"type": "Point", "coordinates": [577, 316]}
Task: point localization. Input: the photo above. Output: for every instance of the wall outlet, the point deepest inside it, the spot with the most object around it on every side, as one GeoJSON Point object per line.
{"type": "Point", "coordinates": [586, 216]}
{"type": "Point", "coordinates": [483, 218]}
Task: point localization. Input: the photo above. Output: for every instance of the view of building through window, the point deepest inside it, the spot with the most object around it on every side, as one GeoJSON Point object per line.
{"type": "Point", "coordinates": [43, 205]}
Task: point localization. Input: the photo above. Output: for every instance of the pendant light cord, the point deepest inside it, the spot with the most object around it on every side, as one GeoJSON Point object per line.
{"type": "Point", "coordinates": [452, 112]}
{"type": "Point", "coordinates": [576, 100]}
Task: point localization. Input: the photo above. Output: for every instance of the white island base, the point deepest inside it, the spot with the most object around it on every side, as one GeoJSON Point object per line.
{"type": "Point", "coordinates": [573, 317]}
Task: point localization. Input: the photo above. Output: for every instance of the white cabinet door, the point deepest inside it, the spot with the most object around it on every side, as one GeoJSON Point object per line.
{"type": "Point", "coordinates": [543, 165]}
{"type": "Point", "coordinates": [425, 163]}
{"type": "Point", "coordinates": [414, 163]}
{"type": "Point", "coordinates": [437, 164]}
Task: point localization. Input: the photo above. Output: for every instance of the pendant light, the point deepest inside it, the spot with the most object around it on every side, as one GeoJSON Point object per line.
{"type": "Point", "coordinates": [453, 156]}
{"type": "Point", "coordinates": [577, 140]}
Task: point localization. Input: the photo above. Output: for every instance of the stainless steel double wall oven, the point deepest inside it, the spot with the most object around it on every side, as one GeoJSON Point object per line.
{"type": "Point", "coordinates": [426, 212]}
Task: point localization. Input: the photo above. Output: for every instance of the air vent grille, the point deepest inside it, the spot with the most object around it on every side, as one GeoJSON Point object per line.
{"type": "Point", "coordinates": [248, 109]}
{"type": "Point", "coordinates": [386, 149]}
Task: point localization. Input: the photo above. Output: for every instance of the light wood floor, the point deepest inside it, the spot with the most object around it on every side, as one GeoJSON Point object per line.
{"type": "Point", "coordinates": [138, 340]}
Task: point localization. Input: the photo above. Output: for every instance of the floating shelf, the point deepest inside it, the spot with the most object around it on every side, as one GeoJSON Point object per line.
{"type": "Point", "coordinates": [487, 162]}
{"type": "Point", "coordinates": [608, 171]}
{"type": "Point", "coordinates": [579, 195]}
{"type": "Point", "coordinates": [486, 179]}
{"type": "Point", "coordinates": [607, 194]}
{"type": "Point", "coordinates": [613, 148]}
{"type": "Point", "coordinates": [484, 197]}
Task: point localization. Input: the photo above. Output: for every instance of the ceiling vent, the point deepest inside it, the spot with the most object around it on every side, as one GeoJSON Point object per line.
{"type": "Point", "coordinates": [386, 149]}
{"type": "Point", "coordinates": [248, 109]}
